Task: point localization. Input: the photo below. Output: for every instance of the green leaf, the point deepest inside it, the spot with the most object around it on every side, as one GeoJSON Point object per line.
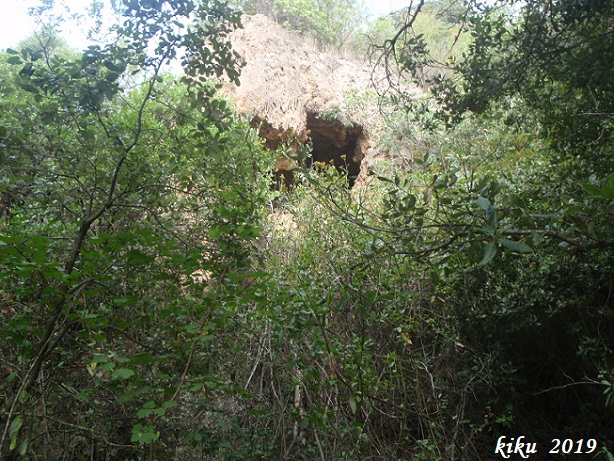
{"type": "Point", "coordinates": [490, 250]}
{"type": "Point", "coordinates": [572, 210]}
{"type": "Point", "coordinates": [23, 447]}
{"type": "Point", "coordinates": [607, 191]}
{"type": "Point", "coordinates": [114, 67]}
{"type": "Point", "coordinates": [16, 424]}
{"type": "Point", "coordinates": [483, 203]}
{"type": "Point", "coordinates": [135, 257]}
{"type": "Point", "coordinates": [144, 434]}
{"type": "Point", "coordinates": [353, 404]}
{"type": "Point", "coordinates": [488, 230]}
{"type": "Point", "coordinates": [100, 358]}
{"type": "Point", "coordinates": [127, 397]}
{"type": "Point", "coordinates": [537, 236]}
{"type": "Point", "coordinates": [122, 373]}
{"type": "Point", "coordinates": [83, 396]}
{"type": "Point", "coordinates": [29, 88]}
{"type": "Point", "coordinates": [590, 188]}
{"type": "Point", "coordinates": [516, 247]}
{"type": "Point", "coordinates": [144, 412]}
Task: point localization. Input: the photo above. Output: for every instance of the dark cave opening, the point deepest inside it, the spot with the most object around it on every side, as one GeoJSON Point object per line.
{"type": "Point", "coordinates": [336, 143]}
{"type": "Point", "coordinates": [332, 142]}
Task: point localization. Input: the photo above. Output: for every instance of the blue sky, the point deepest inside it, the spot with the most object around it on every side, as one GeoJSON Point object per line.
{"type": "Point", "coordinates": [16, 25]}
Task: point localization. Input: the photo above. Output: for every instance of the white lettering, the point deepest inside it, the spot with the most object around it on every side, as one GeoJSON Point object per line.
{"type": "Point", "coordinates": [501, 446]}
{"type": "Point", "coordinates": [519, 447]}
{"type": "Point", "coordinates": [516, 446]}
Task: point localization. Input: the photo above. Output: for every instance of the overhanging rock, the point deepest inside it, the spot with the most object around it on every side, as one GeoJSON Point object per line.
{"type": "Point", "coordinates": [294, 93]}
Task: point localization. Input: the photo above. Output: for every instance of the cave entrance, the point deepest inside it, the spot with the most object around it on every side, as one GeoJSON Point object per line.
{"type": "Point", "coordinates": [333, 142]}
{"type": "Point", "coordinates": [337, 143]}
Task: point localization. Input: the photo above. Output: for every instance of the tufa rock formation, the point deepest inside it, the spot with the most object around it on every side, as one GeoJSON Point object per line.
{"type": "Point", "coordinates": [297, 94]}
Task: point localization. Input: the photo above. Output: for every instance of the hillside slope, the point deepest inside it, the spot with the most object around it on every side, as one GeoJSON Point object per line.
{"type": "Point", "coordinates": [293, 92]}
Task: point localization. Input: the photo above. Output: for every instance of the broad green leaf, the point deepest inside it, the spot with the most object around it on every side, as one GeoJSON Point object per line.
{"type": "Point", "coordinates": [23, 447]}
{"type": "Point", "coordinates": [590, 188]}
{"type": "Point", "coordinates": [607, 191]}
{"type": "Point", "coordinates": [490, 250]}
{"type": "Point", "coordinates": [135, 257]}
{"type": "Point", "coordinates": [516, 247]}
{"type": "Point", "coordinates": [127, 397]}
{"type": "Point", "coordinates": [144, 434]}
{"type": "Point", "coordinates": [114, 67]}
{"type": "Point", "coordinates": [488, 230]}
{"type": "Point", "coordinates": [572, 210]}
{"type": "Point", "coordinates": [483, 203]}
{"type": "Point", "coordinates": [142, 358]}
{"type": "Point", "coordinates": [537, 236]}
{"type": "Point", "coordinates": [29, 88]}
{"type": "Point", "coordinates": [83, 396]}
{"type": "Point", "coordinates": [144, 412]}
{"type": "Point", "coordinates": [169, 404]}
{"type": "Point", "coordinates": [122, 373]}
{"type": "Point", "coordinates": [100, 358]}
{"type": "Point", "coordinates": [16, 425]}
{"type": "Point", "coordinates": [353, 404]}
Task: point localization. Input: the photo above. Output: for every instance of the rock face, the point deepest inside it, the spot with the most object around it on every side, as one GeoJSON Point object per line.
{"type": "Point", "coordinates": [295, 93]}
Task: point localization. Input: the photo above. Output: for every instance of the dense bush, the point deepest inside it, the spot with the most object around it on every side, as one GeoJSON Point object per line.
{"type": "Point", "coordinates": [159, 301]}
{"type": "Point", "coordinates": [134, 199]}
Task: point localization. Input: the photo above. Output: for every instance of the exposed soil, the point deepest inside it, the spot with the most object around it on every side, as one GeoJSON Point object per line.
{"type": "Point", "coordinates": [294, 93]}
